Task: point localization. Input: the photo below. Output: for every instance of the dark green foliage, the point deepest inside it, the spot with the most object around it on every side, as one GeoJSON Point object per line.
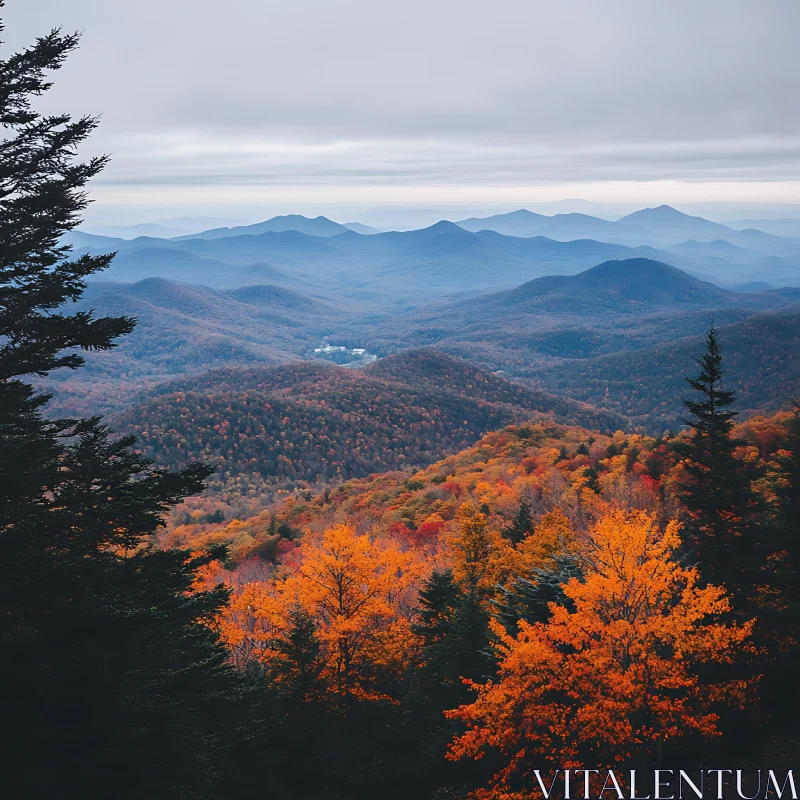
{"type": "Point", "coordinates": [521, 526]}
{"type": "Point", "coordinates": [717, 488]}
{"type": "Point", "coordinates": [437, 601]}
{"type": "Point", "coordinates": [40, 199]}
{"type": "Point", "coordinates": [528, 598]}
{"type": "Point", "coordinates": [296, 670]}
{"type": "Point", "coordinates": [114, 685]}
{"type": "Point", "coordinates": [216, 516]}
{"type": "Point", "coordinates": [469, 648]}
{"type": "Point", "coordinates": [107, 639]}
{"type": "Point", "coordinates": [454, 633]}
{"type": "Point", "coordinates": [781, 687]}
{"type": "Point", "coordinates": [41, 196]}
{"type": "Point", "coordinates": [353, 748]}
{"type": "Point", "coordinates": [724, 515]}
{"type": "Point", "coordinates": [454, 629]}
{"type": "Point", "coordinates": [786, 483]}
{"type": "Point", "coordinates": [286, 531]}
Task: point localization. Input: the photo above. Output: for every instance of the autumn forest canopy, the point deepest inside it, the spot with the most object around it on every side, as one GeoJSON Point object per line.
{"type": "Point", "coordinates": [427, 530]}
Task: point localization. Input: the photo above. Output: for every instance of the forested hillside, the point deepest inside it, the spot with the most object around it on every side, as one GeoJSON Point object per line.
{"type": "Point", "coordinates": [763, 368]}
{"type": "Point", "coordinates": [615, 335]}
{"type": "Point", "coordinates": [547, 465]}
{"type": "Point", "coordinates": [308, 423]}
{"type": "Point", "coordinates": [187, 329]}
{"type": "Point", "coordinates": [471, 550]}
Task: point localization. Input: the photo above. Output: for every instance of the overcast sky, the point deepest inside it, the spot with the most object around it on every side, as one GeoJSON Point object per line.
{"type": "Point", "coordinates": [311, 104]}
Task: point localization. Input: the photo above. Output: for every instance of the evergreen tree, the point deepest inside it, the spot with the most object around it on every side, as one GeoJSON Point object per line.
{"type": "Point", "coordinates": [437, 602]}
{"type": "Point", "coordinates": [521, 526]}
{"type": "Point", "coordinates": [787, 483]}
{"type": "Point", "coordinates": [781, 687]}
{"type": "Point", "coordinates": [717, 488]}
{"type": "Point", "coordinates": [470, 649]}
{"type": "Point", "coordinates": [454, 630]}
{"type": "Point", "coordinates": [722, 530]}
{"type": "Point", "coordinates": [528, 598]}
{"type": "Point", "coordinates": [296, 671]}
{"type": "Point", "coordinates": [114, 685]}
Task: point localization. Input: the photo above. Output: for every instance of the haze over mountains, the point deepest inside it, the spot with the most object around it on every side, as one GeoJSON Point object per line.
{"type": "Point", "coordinates": [570, 303]}
{"type": "Point", "coordinates": [662, 226]}
{"type": "Point", "coordinates": [320, 226]}
{"type": "Point", "coordinates": [392, 270]}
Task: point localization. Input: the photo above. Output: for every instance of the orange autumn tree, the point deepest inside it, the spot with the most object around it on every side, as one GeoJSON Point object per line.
{"type": "Point", "coordinates": [358, 593]}
{"type": "Point", "coordinates": [612, 675]}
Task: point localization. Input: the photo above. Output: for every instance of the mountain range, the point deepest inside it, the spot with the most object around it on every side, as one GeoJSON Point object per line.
{"type": "Point", "coordinates": [570, 303]}
{"type": "Point", "coordinates": [394, 271]}
{"type": "Point", "coordinates": [545, 331]}
{"type": "Point", "coordinates": [661, 226]}
{"type": "Point", "coordinates": [319, 226]}
{"type": "Point", "coordinates": [535, 332]}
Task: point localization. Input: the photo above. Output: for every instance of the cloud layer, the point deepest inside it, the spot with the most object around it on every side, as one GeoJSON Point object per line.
{"type": "Point", "coordinates": [372, 95]}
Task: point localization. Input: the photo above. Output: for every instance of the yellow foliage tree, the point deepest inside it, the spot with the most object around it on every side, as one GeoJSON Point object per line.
{"type": "Point", "coordinates": [479, 553]}
{"type": "Point", "coordinates": [614, 675]}
{"type": "Point", "coordinates": [551, 536]}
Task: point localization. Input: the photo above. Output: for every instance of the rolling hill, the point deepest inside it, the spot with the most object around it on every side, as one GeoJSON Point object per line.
{"type": "Point", "coordinates": [762, 357]}
{"type": "Point", "coordinates": [186, 267]}
{"type": "Point", "coordinates": [309, 423]}
{"type": "Point", "coordinates": [186, 329]}
{"type": "Point", "coordinates": [615, 307]}
{"type": "Point", "coordinates": [630, 286]}
{"type": "Point", "coordinates": [607, 292]}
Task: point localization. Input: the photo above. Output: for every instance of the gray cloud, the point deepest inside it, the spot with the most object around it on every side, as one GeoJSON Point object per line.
{"type": "Point", "coordinates": [369, 92]}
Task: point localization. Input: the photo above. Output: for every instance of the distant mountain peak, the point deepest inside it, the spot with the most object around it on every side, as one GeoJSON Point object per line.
{"type": "Point", "coordinates": [445, 226]}
{"type": "Point", "coordinates": [628, 283]}
{"type": "Point", "coordinates": [657, 212]}
{"type": "Point", "coordinates": [665, 213]}
{"type": "Point", "coordinates": [523, 212]}
{"type": "Point", "coordinates": [520, 216]}
{"type": "Point", "coordinates": [317, 226]}
{"type": "Point", "coordinates": [640, 274]}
